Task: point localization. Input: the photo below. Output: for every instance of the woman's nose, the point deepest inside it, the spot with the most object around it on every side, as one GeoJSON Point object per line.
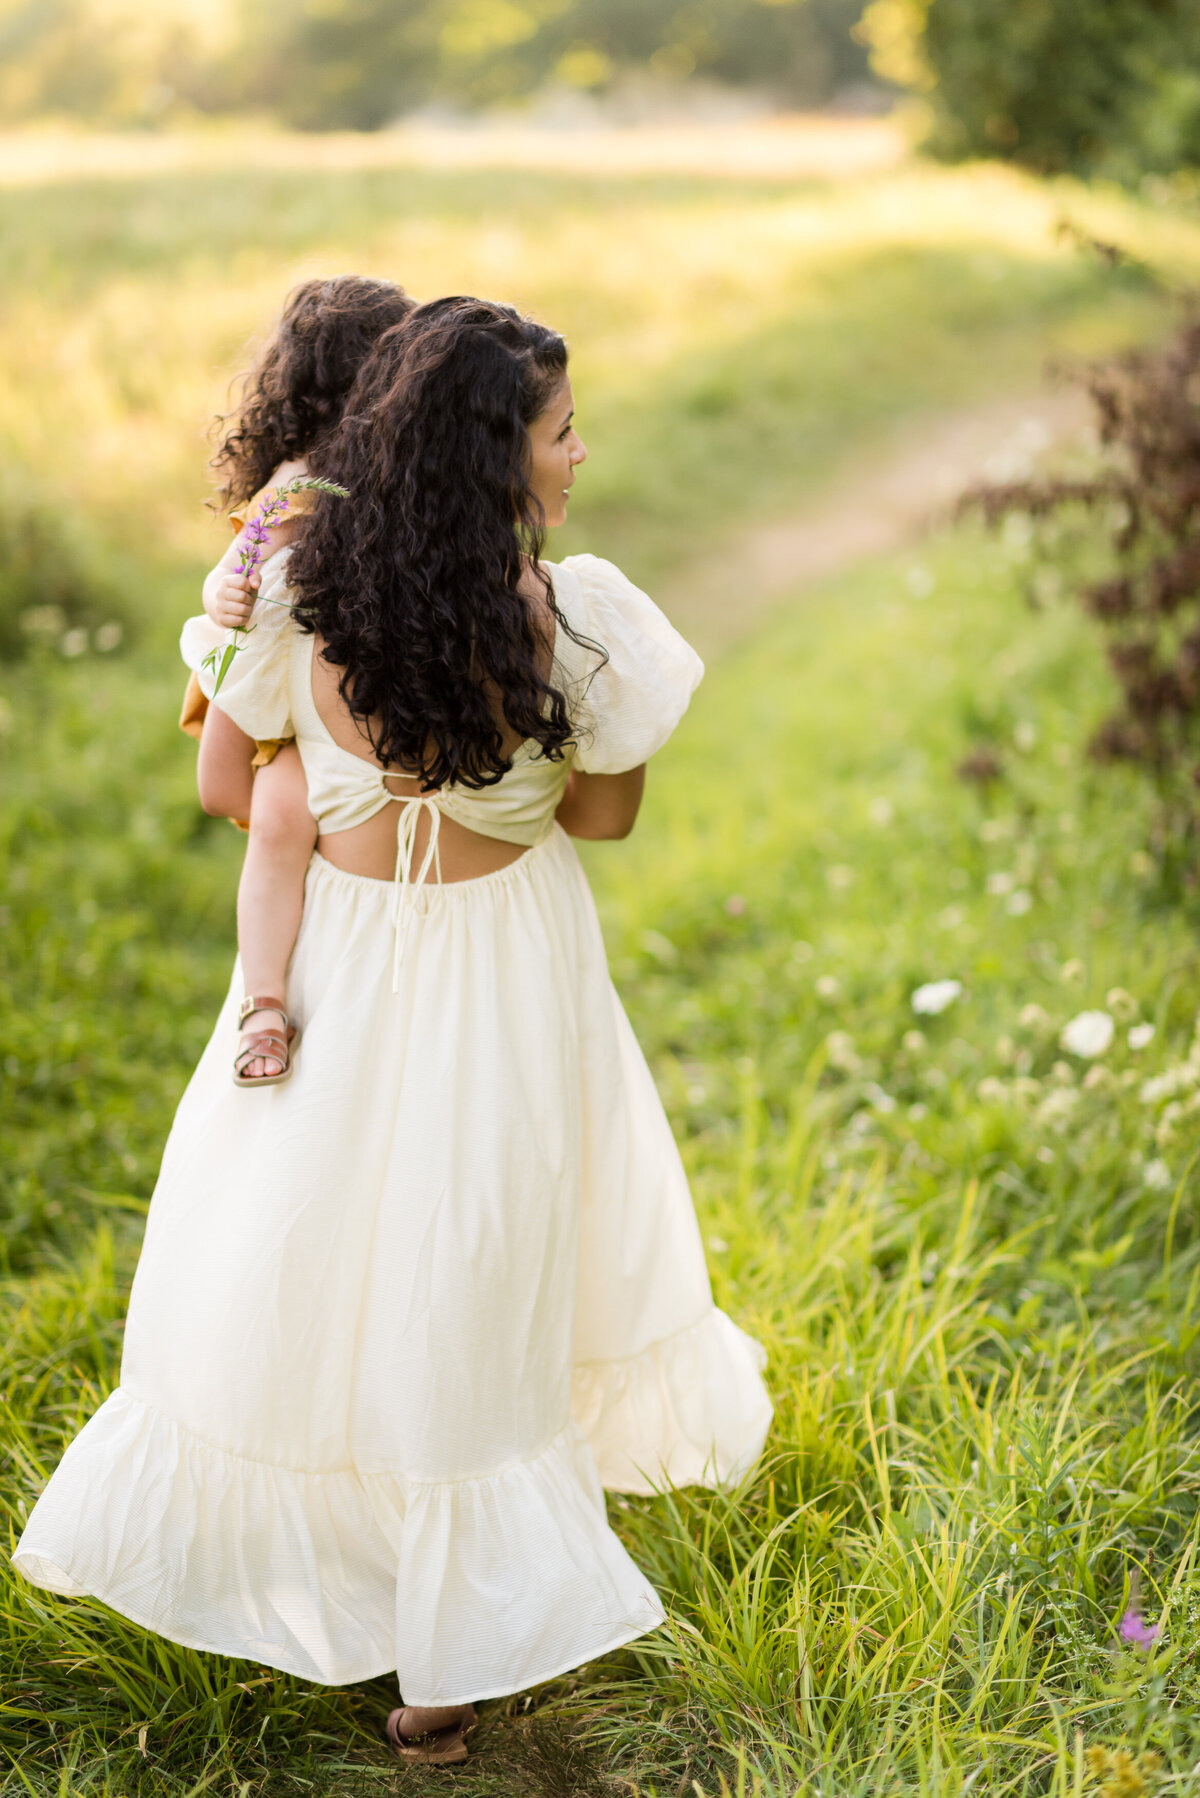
{"type": "Point", "coordinates": [578, 452]}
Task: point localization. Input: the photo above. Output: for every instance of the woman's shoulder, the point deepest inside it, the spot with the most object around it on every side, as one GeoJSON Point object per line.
{"type": "Point", "coordinates": [606, 601]}
{"type": "Point", "coordinates": [641, 673]}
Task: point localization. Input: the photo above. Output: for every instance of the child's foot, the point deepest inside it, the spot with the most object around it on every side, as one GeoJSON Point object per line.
{"type": "Point", "coordinates": [264, 1050]}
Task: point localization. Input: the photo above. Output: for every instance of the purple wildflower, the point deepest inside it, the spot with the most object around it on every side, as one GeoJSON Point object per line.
{"type": "Point", "coordinates": [219, 661]}
{"type": "Point", "coordinates": [1133, 1628]}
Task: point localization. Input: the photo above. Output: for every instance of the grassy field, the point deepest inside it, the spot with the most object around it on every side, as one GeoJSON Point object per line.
{"type": "Point", "coordinates": [972, 1254]}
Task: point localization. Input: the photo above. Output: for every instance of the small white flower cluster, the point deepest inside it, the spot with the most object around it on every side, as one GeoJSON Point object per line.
{"type": "Point", "coordinates": [50, 623]}
{"type": "Point", "coordinates": [936, 996]}
{"type": "Point", "coordinates": [1088, 1034]}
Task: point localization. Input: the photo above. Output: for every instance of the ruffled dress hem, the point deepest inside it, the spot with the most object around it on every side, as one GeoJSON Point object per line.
{"type": "Point", "coordinates": [689, 1410]}
{"type": "Point", "coordinates": [221, 1553]}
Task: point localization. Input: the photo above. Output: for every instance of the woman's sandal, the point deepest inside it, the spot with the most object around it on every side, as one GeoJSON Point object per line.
{"type": "Point", "coordinates": [267, 1045]}
{"type": "Point", "coordinates": [411, 1738]}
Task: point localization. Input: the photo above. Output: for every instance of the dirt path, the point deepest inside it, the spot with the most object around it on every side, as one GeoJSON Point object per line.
{"type": "Point", "coordinates": [884, 501]}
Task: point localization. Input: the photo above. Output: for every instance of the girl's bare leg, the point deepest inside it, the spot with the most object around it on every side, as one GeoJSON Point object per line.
{"type": "Point", "coordinates": [223, 773]}
{"type": "Point", "coordinates": [271, 895]}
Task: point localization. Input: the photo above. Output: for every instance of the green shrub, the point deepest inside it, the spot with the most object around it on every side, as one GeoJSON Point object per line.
{"type": "Point", "coordinates": [1058, 85]}
{"type": "Point", "coordinates": [56, 589]}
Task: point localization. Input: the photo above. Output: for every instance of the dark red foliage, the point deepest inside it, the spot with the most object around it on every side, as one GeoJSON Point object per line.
{"type": "Point", "coordinates": [1145, 504]}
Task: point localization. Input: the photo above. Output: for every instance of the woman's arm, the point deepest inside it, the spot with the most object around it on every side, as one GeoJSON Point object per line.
{"type": "Point", "coordinates": [601, 806]}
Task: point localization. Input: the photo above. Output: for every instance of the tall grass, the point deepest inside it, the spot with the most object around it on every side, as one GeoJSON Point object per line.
{"type": "Point", "coordinates": [974, 1262]}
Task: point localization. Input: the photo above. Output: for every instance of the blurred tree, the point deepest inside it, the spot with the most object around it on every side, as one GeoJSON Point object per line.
{"type": "Point", "coordinates": [110, 61]}
{"type": "Point", "coordinates": [1109, 86]}
{"type": "Point", "coordinates": [360, 63]}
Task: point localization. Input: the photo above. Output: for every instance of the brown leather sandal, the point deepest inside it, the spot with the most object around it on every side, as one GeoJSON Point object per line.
{"type": "Point", "coordinates": [268, 1045]}
{"type": "Point", "coordinates": [410, 1737]}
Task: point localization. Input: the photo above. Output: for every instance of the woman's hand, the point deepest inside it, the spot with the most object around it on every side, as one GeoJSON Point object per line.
{"type": "Point", "coordinates": [229, 597]}
{"type": "Point", "coordinates": [602, 807]}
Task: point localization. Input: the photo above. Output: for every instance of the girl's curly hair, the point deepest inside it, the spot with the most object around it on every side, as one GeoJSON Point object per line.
{"type": "Point", "coordinates": [414, 582]}
{"type": "Point", "coordinates": [297, 390]}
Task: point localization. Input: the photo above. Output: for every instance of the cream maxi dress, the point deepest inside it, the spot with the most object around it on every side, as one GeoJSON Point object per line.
{"type": "Point", "coordinates": [397, 1322]}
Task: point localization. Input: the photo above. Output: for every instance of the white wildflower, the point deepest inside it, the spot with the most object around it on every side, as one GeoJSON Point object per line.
{"type": "Point", "coordinates": [1001, 882]}
{"type": "Point", "coordinates": [1156, 1175]}
{"type": "Point", "coordinates": [1099, 1079]}
{"type": "Point", "coordinates": [1062, 1074]}
{"type": "Point", "coordinates": [875, 1095]}
{"type": "Point", "coordinates": [828, 988]}
{"type": "Point", "coordinates": [1171, 1081]}
{"type": "Point", "coordinates": [917, 1112]}
{"type": "Point", "coordinates": [935, 996]}
{"type": "Point", "coordinates": [1140, 1035]}
{"type": "Point", "coordinates": [913, 1041]}
{"type": "Point", "coordinates": [951, 917]}
{"type": "Point", "coordinates": [991, 1091]}
{"type": "Point", "coordinates": [108, 638]}
{"type": "Point", "coordinates": [1123, 1005]}
{"type": "Point", "coordinates": [1025, 736]}
{"type": "Point", "coordinates": [74, 643]}
{"type": "Point", "coordinates": [1089, 1034]}
{"type": "Point", "coordinates": [1032, 1017]}
{"type": "Point", "coordinates": [1056, 1107]}
{"type": "Point", "coordinates": [839, 1046]}
{"type": "Point", "coordinates": [1027, 1090]}
{"type": "Point", "coordinates": [1169, 1117]}
{"type": "Point", "coordinates": [1018, 903]}
{"type": "Point", "coordinates": [1071, 971]}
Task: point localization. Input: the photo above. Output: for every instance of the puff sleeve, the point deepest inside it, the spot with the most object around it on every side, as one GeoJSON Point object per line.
{"type": "Point", "coordinates": [256, 691]}
{"type": "Point", "coordinates": [634, 700]}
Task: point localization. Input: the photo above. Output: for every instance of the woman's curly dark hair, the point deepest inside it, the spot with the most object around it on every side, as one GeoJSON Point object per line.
{"type": "Point", "coordinates": [297, 390]}
{"type": "Point", "coordinates": [414, 582]}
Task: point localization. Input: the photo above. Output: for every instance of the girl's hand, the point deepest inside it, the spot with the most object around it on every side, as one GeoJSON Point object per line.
{"type": "Point", "coordinates": [229, 598]}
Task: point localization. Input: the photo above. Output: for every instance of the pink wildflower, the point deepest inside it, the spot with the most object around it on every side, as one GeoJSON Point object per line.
{"type": "Point", "coordinates": [1133, 1628]}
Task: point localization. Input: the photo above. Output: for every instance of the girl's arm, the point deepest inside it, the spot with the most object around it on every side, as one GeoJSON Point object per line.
{"type": "Point", "coordinates": [601, 806]}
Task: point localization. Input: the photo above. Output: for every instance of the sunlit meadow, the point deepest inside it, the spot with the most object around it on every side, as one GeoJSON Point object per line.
{"type": "Point", "coordinates": [965, 1227]}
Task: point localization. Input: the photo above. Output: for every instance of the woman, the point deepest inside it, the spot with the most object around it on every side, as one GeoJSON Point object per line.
{"type": "Point", "coordinates": [396, 1322]}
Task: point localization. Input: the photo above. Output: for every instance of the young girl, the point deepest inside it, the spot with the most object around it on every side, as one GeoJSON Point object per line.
{"type": "Point", "coordinates": [396, 1325]}
{"type": "Point", "coordinates": [294, 396]}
